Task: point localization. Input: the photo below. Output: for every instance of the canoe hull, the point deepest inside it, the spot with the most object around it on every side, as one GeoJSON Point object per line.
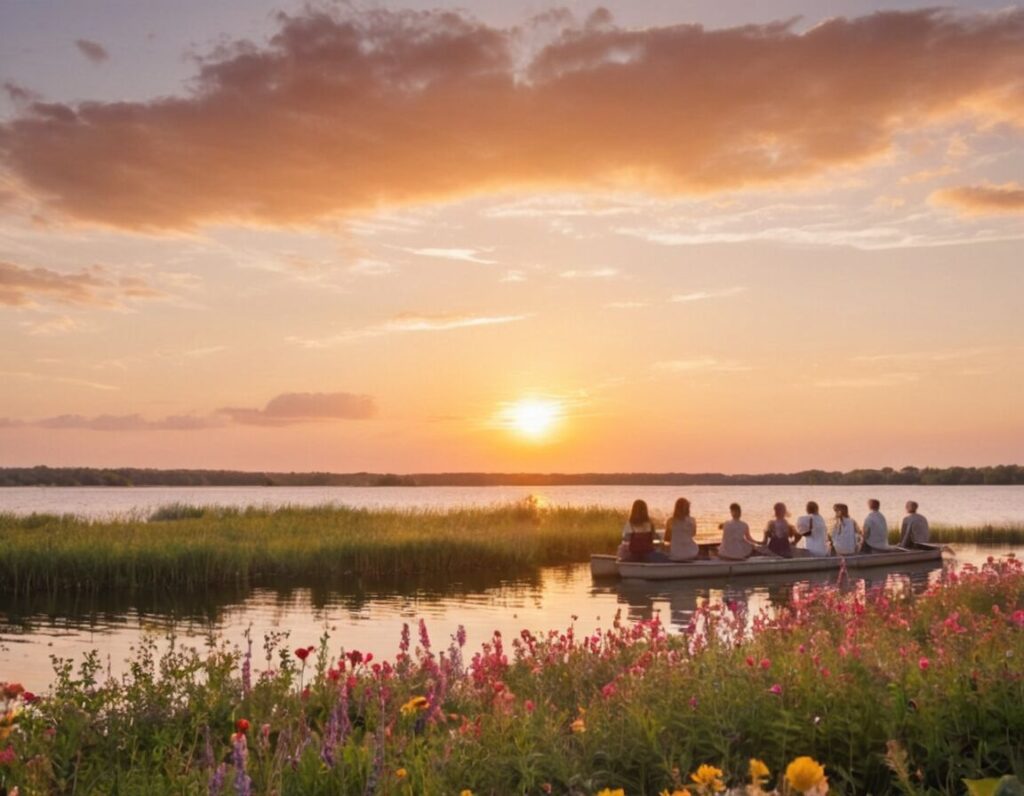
{"type": "Point", "coordinates": [601, 566]}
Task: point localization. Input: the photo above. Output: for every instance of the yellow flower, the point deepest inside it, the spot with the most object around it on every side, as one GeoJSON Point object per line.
{"type": "Point", "coordinates": [578, 726]}
{"type": "Point", "coordinates": [610, 792]}
{"type": "Point", "coordinates": [805, 774]}
{"type": "Point", "coordinates": [758, 771]}
{"type": "Point", "coordinates": [709, 777]}
{"type": "Point", "coordinates": [676, 792]}
{"type": "Point", "coordinates": [415, 705]}
{"type": "Point", "coordinates": [466, 792]}
{"type": "Point", "coordinates": [401, 773]}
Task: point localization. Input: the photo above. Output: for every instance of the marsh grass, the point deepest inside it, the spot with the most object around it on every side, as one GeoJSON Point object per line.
{"type": "Point", "coordinates": [185, 546]}
{"type": "Point", "coordinates": [181, 546]}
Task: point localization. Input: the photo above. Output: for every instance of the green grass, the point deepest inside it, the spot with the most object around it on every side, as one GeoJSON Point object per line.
{"type": "Point", "coordinates": [184, 546]}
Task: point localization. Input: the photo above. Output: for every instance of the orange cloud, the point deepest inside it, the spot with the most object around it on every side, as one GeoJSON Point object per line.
{"type": "Point", "coordinates": [346, 113]}
{"type": "Point", "coordinates": [94, 286]}
{"type": "Point", "coordinates": [298, 407]}
{"type": "Point", "coordinates": [982, 199]}
{"type": "Point", "coordinates": [126, 423]}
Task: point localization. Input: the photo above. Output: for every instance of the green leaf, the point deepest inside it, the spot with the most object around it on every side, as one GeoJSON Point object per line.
{"type": "Point", "coordinates": [1006, 786]}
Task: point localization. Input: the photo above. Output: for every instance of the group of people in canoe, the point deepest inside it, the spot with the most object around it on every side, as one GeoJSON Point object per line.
{"type": "Point", "coordinates": [780, 538]}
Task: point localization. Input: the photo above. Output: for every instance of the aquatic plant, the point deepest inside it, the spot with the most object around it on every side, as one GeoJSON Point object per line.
{"type": "Point", "coordinates": [628, 708]}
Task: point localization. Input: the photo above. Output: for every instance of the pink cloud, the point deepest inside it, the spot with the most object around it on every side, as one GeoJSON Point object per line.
{"type": "Point", "coordinates": [343, 113]}
{"type": "Point", "coordinates": [982, 199]}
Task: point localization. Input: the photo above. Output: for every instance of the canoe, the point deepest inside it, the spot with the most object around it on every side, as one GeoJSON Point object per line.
{"type": "Point", "coordinates": [602, 566]}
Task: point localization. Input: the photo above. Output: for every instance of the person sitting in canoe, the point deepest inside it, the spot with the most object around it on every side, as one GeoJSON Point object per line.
{"type": "Point", "coordinates": [811, 526]}
{"type": "Point", "coordinates": [679, 532]}
{"type": "Point", "coordinates": [737, 544]}
{"type": "Point", "coordinates": [876, 530]}
{"type": "Point", "coordinates": [914, 531]}
{"type": "Point", "coordinates": [844, 531]}
{"type": "Point", "coordinates": [638, 535]}
{"type": "Point", "coordinates": [779, 532]}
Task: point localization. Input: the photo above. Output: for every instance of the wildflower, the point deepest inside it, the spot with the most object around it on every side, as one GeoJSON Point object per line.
{"type": "Point", "coordinates": [415, 705]}
{"type": "Point", "coordinates": [759, 772]}
{"type": "Point", "coordinates": [401, 773]}
{"type": "Point", "coordinates": [465, 792]}
{"type": "Point", "coordinates": [765, 663]}
{"type": "Point", "coordinates": [28, 697]}
{"type": "Point", "coordinates": [529, 706]}
{"type": "Point", "coordinates": [12, 690]}
{"type": "Point", "coordinates": [242, 726]}
{"type": "Point", "coordinates": [776, 689]}
{"type": "Point", "coordinates": [303, 652]}
{"type": "Point", "coordinates": [676, 792]}
{"type": "Point", "coordinates": [7, 756]}
{"type": "Point", "coordinates": [923, 663]}
{"type": "Point", "coordinates": [708, 778]}
{"type": "Point", "coordinates": [610, 792]}
{"type": "Point", "coordinates": [609, 690]}
{"type": "Point", "coordinates": [806, 775]}
{"type": "Point", "coordinates": [578, 726]}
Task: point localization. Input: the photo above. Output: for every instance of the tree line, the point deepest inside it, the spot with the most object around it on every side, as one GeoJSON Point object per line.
{"type": "Point", "coordinates": [1004, 474]}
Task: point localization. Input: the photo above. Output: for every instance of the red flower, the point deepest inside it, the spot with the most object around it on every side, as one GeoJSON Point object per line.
{"type": "Point", "coordinates": [242, 725]}
{"type": "Point", "coordinates": [12, 690]}
{"type": "Point", "coordinates": [7, 756]}
{"type": "Point", "coordinates": [29, 697]}
{"type": "Point", "coordinates": [303, 652]}
{"type": "Point", "coordinates": [765, 663]}
{"type": "Point", "coordinates": [923, 663]}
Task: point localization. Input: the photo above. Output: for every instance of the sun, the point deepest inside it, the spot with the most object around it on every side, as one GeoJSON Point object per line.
{"type": "Point", "coordinates": [533, 418]}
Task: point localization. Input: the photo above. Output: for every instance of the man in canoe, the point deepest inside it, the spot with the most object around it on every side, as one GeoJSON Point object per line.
{"type": "Point", "coordinates": [876, 530]}
{"type": "Point", "coordinates": [914, 532]}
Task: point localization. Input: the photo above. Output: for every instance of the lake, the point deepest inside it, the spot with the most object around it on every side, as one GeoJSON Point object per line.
{"type": "Point", "coordinates": [943, 505]}
{"type": "Point", "coordinates": [369, 617]}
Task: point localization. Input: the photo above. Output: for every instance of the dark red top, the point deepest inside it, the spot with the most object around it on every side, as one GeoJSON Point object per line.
{"type": "Point", "coordinates": [640, 542]}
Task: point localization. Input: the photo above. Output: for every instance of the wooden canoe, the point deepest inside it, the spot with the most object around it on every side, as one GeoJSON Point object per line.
{"type": "Point", "coordinates": [711, 567]}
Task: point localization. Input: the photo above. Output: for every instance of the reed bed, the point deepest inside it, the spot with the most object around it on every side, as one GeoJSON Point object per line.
{"type": "Point", "coordinates": [181, 546]}
{"type": "Point", "coordinates": [846, 693]}
{"type": "Point", "coordinates": [187, 546]}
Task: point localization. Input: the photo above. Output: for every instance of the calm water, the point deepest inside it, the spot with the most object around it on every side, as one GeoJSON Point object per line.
{"type": "Point", "coordinates": [961, 505]}
{"type": "Point", "coordinates": [31, 630]}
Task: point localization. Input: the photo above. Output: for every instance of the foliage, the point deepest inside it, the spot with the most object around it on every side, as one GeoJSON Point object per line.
{"type": "Point", "coordinates": [892, 693]}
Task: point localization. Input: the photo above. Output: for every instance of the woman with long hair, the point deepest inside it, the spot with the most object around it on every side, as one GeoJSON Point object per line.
{"type": "Point", "coordinates": [845, 532]}
{"type": "Point", "coordinates": [679, 532]}
{"type": "Point", "coordinates": [638, 534]}
{"type": "Point", "coordinates": [779, 532]}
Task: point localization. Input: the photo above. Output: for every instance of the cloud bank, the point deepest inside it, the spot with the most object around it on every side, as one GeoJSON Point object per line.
{"type": "Point", "coordinates": [340, 113]}
{"type": "Point", "coordinates": [299, 407]}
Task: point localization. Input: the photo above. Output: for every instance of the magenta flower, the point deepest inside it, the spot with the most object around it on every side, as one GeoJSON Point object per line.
{"type": "Point", "coordinates": [776, 689]}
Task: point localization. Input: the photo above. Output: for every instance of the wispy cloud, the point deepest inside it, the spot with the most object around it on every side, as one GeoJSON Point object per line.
{"type": "Point", "coordinates": [133, 422]}
{"type": "Point", "coordinates": [461, 255]}
{"type": "Point", "coordinates": [30, 376]}
{"type": "Point", "coordinates": [96, 286]}
{"type": "Point", "coordinates": [697, 364]}
{"type": "Point", "coordinates": [975, 200]}
{"type": "Point", "coordinates": [627, 305]}
{"type": "Point", "coordinates": [408, 322]}
{"type": "Point", "coordinates": [591, 273]}
{"type": "Point", "coordinates": [926, 356]}
{"type": "Point", "coordinates": [703, 295]}
{"type": "Point", "coordinates": [882, 380]}
{"type": "Point", "coordinates": [368, 267]}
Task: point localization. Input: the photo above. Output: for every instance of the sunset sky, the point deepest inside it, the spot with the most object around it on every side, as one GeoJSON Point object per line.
{"type": "Point", "coordinates": [650, 235]}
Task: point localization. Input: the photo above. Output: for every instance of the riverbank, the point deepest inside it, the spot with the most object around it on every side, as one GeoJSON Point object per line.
{"type": "Point", "coordinates": [191, 547]}
{"type": "Point", "coordinates": [892, 694]}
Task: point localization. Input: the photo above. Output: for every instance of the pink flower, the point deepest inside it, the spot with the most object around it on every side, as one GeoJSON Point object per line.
{"type": "Point", "coordinates": [750, 661]}
{"type": "Point", "coordinates": [529, 706]}
{"type": "Point", "coordinates": [765, 663]}
{"type": "Point", "coordinates": [609, 691]}
{"type": "Point", "coordinates": [1018, 618]}
{"type": "Point", "coordinates": [7, 756]}
{"type": "Point", "coordinates": [776, 689]}
{"type": "Point", "coordinates": [923, 663]}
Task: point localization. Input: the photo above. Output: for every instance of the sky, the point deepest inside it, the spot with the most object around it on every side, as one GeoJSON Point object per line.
{"type": "Point", "coordinates": [640, 236]}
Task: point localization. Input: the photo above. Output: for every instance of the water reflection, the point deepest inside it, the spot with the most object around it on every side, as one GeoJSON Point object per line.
{"type": "Point", "coordinates": [369, 616]}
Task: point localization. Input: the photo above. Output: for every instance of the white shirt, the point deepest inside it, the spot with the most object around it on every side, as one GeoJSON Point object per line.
{"type": "Point", "coordinates": [876, 531]}
{"type": "Point", "coordinates": [844, 537]}
{"type": "Point", "coordinates": [815, 533]}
